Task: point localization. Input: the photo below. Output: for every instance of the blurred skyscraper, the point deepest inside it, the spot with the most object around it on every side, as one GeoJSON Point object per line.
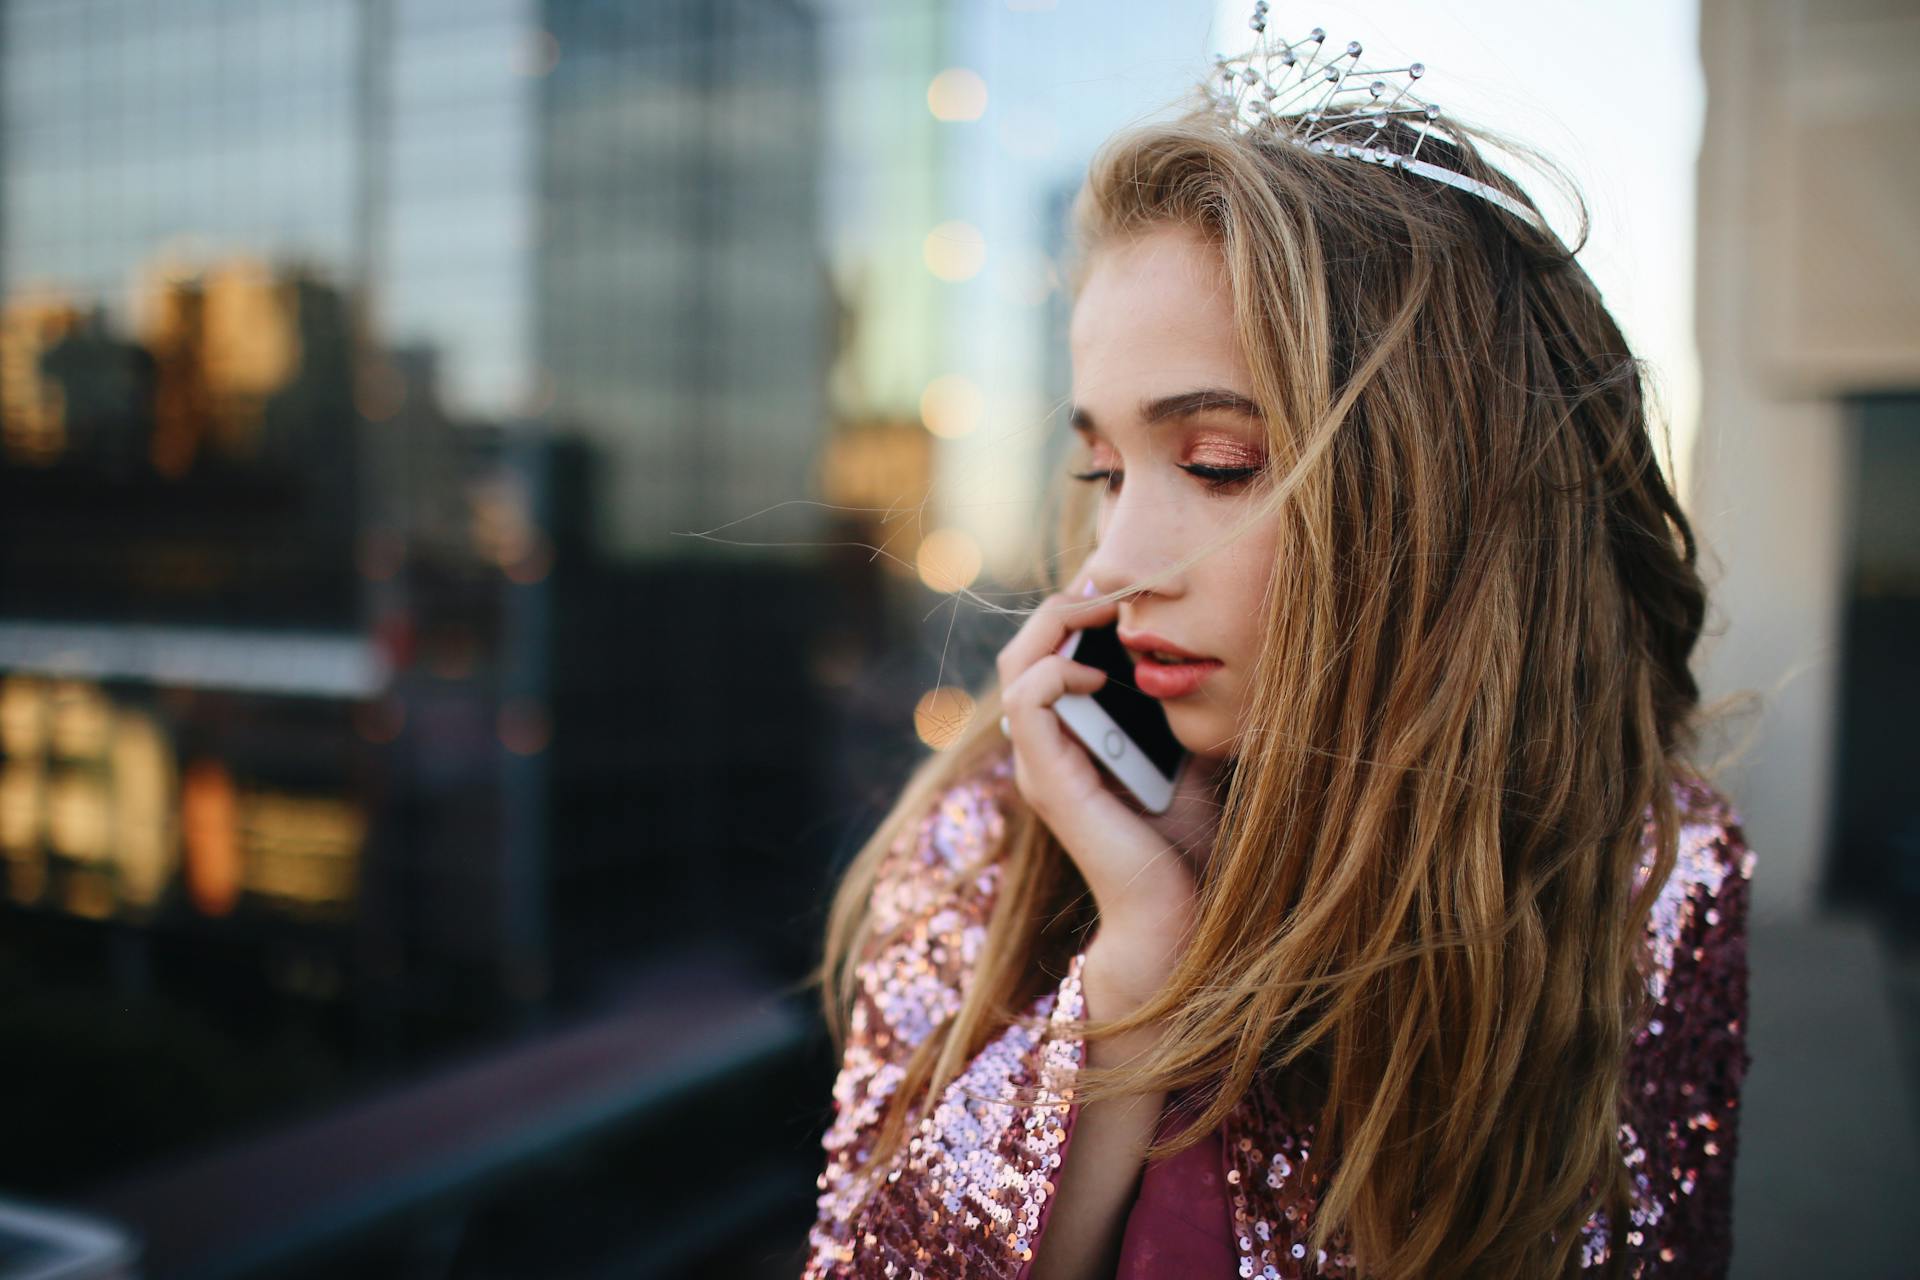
{"type": "Point", "coordinates": [680, 292]}
{"type": "Point", "coordinates": [361, 364]}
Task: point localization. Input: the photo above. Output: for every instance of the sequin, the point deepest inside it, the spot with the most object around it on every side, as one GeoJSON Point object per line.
{"type": "Point", "coordinates": [969, 1193]}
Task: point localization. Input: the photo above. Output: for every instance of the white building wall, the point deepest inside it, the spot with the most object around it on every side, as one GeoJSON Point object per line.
{"type": "Point", "coordinates": [1808, 289]}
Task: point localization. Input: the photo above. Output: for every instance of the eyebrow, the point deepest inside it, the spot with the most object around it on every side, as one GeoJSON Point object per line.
{"type": "Point", "coordinates": [1178, 406]}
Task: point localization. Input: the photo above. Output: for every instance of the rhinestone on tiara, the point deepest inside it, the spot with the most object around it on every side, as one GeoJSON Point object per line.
{"type": "Point", "coordinates": [1324, 101]}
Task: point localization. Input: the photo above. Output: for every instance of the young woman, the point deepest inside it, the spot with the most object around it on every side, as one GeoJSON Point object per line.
{"type": "Point", "coordinates": [1436, 966]}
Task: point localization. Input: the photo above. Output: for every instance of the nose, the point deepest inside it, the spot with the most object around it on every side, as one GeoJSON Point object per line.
{"type": "Point", "coordinates": [1138, 536]}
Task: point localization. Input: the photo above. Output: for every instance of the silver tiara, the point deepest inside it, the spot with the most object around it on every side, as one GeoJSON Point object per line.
{"type": "Point", "coordinates": [1326, 102]}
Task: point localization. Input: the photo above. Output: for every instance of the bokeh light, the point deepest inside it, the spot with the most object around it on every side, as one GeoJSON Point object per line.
{"type": "Point", "coordinates": [539, 55]}
{"type": "Point", "coordinates": [955, 251]}
{"type": "Point", "coordinates": [948, 560]}
{"type": "Point", "coordinates": [525, 727]}
{"type": "Point", "coordinates": [210, 837]}
{"type": "Point", "coordinates": [957, 94]}
{"type": "Point", "coordinates": [941, 716]}
{"type": "Point", "coordinates": [952, 406]}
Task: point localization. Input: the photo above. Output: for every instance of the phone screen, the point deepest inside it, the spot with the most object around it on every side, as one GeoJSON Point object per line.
{"type": "Point", "coordinates": [1140, 717]}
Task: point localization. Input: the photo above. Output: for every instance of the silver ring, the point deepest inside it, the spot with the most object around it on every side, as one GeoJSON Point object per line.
{"type": "Point", "coordinates": [1006, 729]}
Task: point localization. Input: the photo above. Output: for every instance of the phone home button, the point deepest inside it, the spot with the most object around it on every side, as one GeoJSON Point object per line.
{"type": "Point", "coordinates": [1115, 743]}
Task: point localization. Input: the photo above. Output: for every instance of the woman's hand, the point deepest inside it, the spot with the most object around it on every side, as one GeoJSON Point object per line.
{"type": "Point", "coordinates": [1140, 867]}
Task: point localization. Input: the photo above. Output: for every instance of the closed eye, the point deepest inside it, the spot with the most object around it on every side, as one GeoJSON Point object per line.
{"type": "Point", "coordinates": [1221, 477]}
{"type": "Point", "coordinates": [1217, 478]}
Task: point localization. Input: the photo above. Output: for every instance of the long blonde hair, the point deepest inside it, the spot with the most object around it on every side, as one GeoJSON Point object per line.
{"type": "Point", "coordinates": [1420, 915]}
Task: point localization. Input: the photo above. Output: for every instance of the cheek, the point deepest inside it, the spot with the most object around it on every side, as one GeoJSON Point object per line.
{"type": "Point", "coordinates": [1240, 606]}
{"type": "Point", "coordinates": [1252, 570]}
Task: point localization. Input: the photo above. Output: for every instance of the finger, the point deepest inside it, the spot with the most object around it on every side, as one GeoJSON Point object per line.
{"type": "Point", "coordinates": [1038, 636]}
{"type": "Point", "coordinates": [1028, 702]}
{"type": "Point", "coordinates": [1055, 674]}
{"type": "Point", "coordinates": [1047, 628]}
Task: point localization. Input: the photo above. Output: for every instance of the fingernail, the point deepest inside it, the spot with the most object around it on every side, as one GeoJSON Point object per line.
{"type": "Point", "coordinates": [1086, 589]}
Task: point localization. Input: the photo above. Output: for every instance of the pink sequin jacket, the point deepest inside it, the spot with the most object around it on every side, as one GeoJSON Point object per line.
{"type": "Point", "coordinates": [968, 1193]}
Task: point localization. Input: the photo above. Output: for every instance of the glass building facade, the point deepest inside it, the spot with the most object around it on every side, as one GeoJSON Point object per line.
{"type": "Point", "coordinates": [371, 705]}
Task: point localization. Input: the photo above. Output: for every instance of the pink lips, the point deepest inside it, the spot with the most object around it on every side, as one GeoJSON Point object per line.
{"type": "Point", "coordinates": [1146, 642]}
{"type": "Point", "coordinates": [1162, 680]}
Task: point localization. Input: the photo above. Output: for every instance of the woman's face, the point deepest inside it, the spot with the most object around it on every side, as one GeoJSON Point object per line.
{"type": "Point", "coordinates": [1162, 396]}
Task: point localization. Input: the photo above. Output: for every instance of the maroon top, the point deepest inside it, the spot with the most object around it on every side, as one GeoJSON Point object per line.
{"type": "Point", "coordinates": [1179, 1225]}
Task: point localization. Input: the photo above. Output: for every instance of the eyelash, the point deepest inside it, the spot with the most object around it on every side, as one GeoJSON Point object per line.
{"type": "Point", "coordinates": [1216, 477]}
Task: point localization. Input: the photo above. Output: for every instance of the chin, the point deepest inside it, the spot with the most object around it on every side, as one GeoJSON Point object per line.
{"type": "Point", "coordinates": [1200, 730]}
